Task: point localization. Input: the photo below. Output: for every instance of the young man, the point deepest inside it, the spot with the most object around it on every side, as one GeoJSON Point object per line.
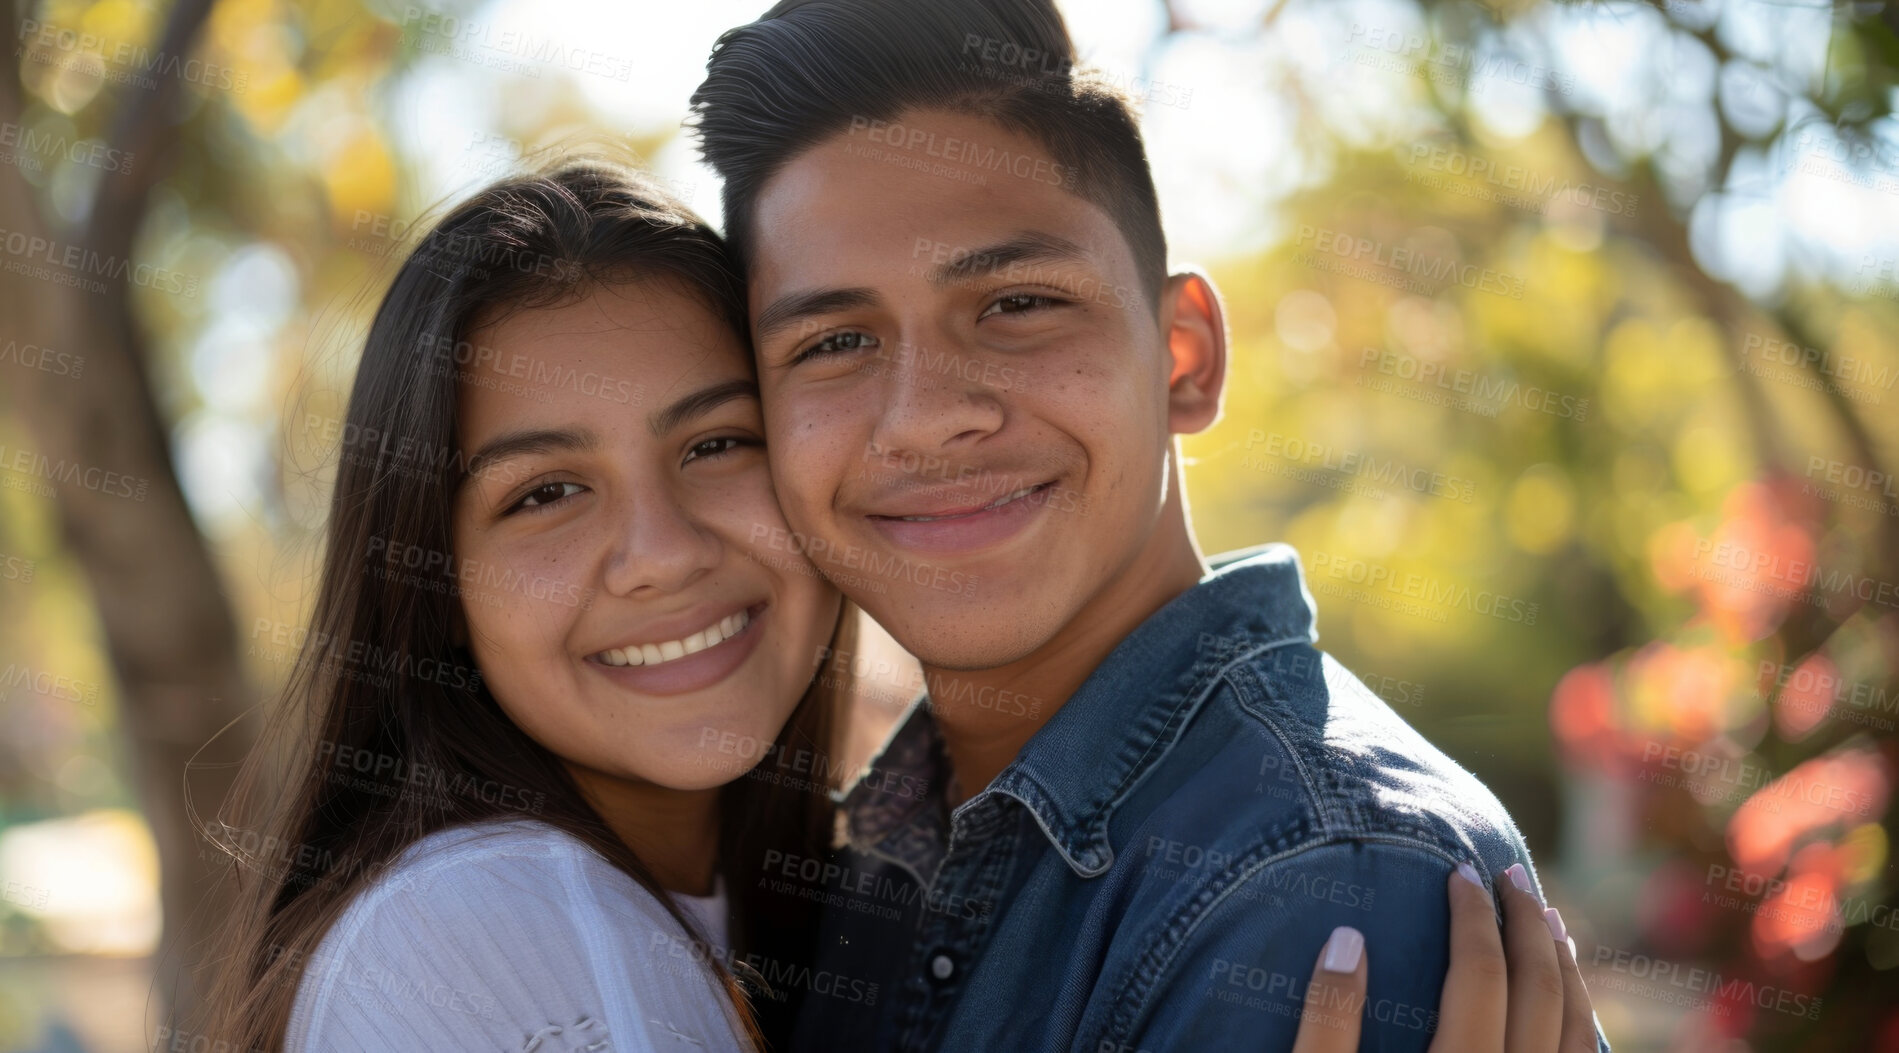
{"type": "Point", "coordinates": [1136, 799]}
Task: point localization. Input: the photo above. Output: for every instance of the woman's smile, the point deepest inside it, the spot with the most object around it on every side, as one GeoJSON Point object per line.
{"type": "Point", "coordinates": [697, 661]}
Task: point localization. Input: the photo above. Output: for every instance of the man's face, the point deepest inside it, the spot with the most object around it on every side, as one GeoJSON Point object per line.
{"type": "Point", "coordinates": [965, 388]}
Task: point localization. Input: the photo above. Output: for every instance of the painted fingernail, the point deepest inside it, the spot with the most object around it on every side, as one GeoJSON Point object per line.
{"type": "Point", "coordinates": [1342, 951]}
{"type": "Point", "coordinates": [1572, 950]}
{"type": "Point", "coordinates": [1555, 921]}
{"type": "Point", "coordinates": [1519, 877]}
{"type": "Point", "coordinates": [1469, 873]}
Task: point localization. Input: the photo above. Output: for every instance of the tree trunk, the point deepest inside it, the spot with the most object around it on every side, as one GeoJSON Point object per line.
{"type": "Point", "coordinates": [167, 625]}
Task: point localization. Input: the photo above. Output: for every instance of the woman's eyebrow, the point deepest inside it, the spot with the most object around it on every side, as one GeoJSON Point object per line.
{"type": "Point", "coordinates": [700, 402]}
{"type": "Point", "coordinates": [527, 441]}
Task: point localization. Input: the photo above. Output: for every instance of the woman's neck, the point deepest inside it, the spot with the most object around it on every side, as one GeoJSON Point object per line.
{"type": "Point", "coordinates": [674, 832]}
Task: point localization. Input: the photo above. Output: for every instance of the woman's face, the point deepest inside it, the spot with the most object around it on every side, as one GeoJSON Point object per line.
{"type": "Point", "coordinates": [612, 539]}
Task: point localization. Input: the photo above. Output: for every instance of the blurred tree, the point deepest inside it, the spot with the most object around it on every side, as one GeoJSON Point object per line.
{"type": "Point", "coordinates": [167, 624]}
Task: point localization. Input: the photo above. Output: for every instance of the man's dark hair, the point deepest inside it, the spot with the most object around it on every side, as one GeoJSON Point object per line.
{"type": "Point", "coordinates": [809, 69]}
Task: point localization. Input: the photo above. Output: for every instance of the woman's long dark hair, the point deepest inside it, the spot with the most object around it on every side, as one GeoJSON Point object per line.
{"type": "Point", "coordinates": [386, 728]}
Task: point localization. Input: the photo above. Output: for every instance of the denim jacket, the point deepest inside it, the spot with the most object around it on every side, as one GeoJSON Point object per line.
{"type": "Point", "coordinates": [1161, 864]}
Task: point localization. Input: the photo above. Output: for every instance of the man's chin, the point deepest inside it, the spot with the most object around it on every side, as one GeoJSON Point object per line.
{"type": "Point", "coordinates": [960, 637]}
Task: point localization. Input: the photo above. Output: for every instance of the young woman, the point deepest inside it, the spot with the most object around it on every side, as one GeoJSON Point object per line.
{"type": "Point", "coordinates": [550, 644]}
{"type": "Point", "coordinates": [546, 646]}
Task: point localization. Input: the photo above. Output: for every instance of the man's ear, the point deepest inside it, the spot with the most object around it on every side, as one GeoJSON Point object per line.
{"type": "Point", "coordinates": [1196, 344]}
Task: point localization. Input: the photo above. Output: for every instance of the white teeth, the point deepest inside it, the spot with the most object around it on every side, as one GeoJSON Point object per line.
{"type": "Point", "coordinates": [997, 503]}
{"type": "Point", "coordinates": [1005, 500]}
{"type": "Point", "coordinates": [653, 654]}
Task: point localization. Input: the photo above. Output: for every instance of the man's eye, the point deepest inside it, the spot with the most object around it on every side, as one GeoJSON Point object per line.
{"type": "Point", "coordinates": [715, 447]}
{"type": "Point", "coordinates": [545, 495]}
{"type": "Point", "coordinates": [837, 344]}
{"type": "Point", "coordinates": [1017, 303]}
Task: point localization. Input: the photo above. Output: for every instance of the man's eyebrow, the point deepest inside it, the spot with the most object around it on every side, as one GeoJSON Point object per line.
{"type": "Point", "coordinates": [703, 401]}
{"type": "Point", "coordinates": [528, 441]}
{"type": "Point", "coordinates": [1031, 246]}
{"type": "Point", "coordinates": [785, 310]}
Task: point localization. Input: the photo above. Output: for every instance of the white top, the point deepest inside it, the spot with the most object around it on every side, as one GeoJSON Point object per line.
{"type": "Point", "coordinates": [513, 937]}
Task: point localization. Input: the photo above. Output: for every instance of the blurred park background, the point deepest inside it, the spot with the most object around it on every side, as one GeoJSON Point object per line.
{"type": "Point", "coordinates": [1565, 341]}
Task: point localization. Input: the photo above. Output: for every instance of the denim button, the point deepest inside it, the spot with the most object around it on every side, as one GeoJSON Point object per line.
{"type": "Point", "coordinates": [941, 967]}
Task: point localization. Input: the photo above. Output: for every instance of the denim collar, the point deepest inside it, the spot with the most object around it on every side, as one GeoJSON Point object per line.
{"type": "Point", "coordinates": [1109, 735]}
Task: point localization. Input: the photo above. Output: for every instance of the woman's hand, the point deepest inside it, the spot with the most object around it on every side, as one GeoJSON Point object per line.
{"type": "Point", "coordinates": [1518, 991]}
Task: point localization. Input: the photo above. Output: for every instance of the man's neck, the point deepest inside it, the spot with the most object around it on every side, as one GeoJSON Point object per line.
{"type": "Point", "coordinates": [982, 739]}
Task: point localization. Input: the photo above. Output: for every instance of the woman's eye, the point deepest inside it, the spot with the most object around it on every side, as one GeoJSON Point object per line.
{"type": "Point", "coordinates": [1016, 303]}
{"type": "Point", "coordinates": [544, 495]}
{"type": "Point", "coordinates": [839, 343]}
{"type": "Point", "coordinates": [714, 447]}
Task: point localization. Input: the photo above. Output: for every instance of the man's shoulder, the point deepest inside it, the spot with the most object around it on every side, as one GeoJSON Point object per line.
{"type": "Point", "coordinates": [1293, 750]}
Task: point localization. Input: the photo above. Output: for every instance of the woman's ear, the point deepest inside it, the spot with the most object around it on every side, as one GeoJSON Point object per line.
{"type": "Point", "coordinates": [1196, 345]}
